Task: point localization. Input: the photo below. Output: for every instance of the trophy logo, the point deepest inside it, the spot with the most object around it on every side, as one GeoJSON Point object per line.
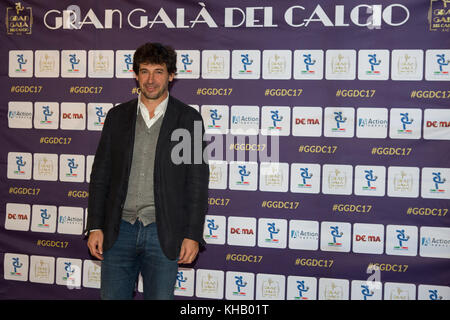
{"type": "Point", "coordinates": [340, 64]}
{"type": "Point", "coordinates": [403, 182]}
{"type": "Point", "coordinates": [42, 270]}
{"type": "Point", "coordinates": [216, 64]}
{"type": "Point", "coordinates": [215, 174]}
{"type": "Point", "coordinates": [399, 294]}
{"type": "Point", "coordinates": [336, 180]}
{"type": "Point", "coordinates": [270, 289]}
{"type": "Point", "coordinates": [93, 274]}
{"type": "Point", "coordinates": [101, 63]}
{"type": "Point", "coordinates": [273, 177]}
{"type": "Point", "coordinates": [209, 284]}
{"type": "Point", "coordinates": [407, 65]}
{"type": "Point", "coordinates": [277, 64]}
{"type": "Point", "coordinates": [19, 19]}
{"type": "Point", "coordinates": [47, 63]}
{"type": "Point", "coordinates": [334, 292]}
{"type": "Point", "coordinates": [45, 167]}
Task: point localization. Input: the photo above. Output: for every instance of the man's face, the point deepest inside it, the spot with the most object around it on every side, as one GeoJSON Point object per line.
{"type": "Point", "coordinates": [154, 80]}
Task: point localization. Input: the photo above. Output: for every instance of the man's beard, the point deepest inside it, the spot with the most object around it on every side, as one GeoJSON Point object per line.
{"type": "Point", "coordinates": [154, 96]}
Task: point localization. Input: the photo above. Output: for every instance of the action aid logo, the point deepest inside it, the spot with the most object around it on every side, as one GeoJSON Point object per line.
{"type": "Point", "coordinates": [435, 242]}
{"type": "Point", "coordinates": [20, 114]}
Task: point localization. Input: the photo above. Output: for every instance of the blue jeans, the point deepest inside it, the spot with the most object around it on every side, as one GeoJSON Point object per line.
{"type": "Point", "coordinates": [137, 250]}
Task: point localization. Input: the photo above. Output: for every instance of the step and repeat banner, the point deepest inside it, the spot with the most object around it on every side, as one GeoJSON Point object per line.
{"type": "Point", "coordinates": [328, 123]}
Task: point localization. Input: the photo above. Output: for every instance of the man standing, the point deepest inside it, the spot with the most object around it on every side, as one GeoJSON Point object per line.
{"type": "Point", "coordinates": [146, 212]}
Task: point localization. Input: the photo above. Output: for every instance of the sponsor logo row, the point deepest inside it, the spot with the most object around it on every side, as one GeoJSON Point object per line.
{"type": "Point", "coordinates": [236, 285]}
{"type": "Point", "coordinates": [361, 180]}
{"type": "Point", "coordinates": [45, 218]}
{"type": "Point", "coordinates": [335, 122]}
{"type": "Point", "coordinates": [367, 238]}
{"type": "Point", "coordinates": [213, 284]}
{"type": "Point", "coordinates": [401, 240]}
{"type": "Point", "coordinates": [265, 176]}
{"type": "Point", "coordinates": [340, 64]}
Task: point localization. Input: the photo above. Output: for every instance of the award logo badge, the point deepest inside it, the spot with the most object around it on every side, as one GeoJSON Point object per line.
{"type": "Point", "coordinates": [19, 19]}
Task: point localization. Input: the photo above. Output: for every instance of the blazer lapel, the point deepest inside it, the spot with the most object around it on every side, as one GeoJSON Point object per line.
{"type": "Point", "coordinates": [129, 130]}
{"type": "Point", "coordinates": [168, 125]}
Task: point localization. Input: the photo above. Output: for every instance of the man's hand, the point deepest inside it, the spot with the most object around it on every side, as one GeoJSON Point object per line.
{"type": "Point", "coordinates": [188, 252]}
{"type": "Point", "coordinates": [95, 243]}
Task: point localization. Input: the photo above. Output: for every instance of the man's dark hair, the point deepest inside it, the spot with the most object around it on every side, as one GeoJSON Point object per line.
{"type": "Point", "coordinates": [155, 53]}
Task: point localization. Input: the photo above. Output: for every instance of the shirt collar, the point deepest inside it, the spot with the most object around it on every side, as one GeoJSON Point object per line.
{"type": "Point", "coordinates": [159, 110]}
